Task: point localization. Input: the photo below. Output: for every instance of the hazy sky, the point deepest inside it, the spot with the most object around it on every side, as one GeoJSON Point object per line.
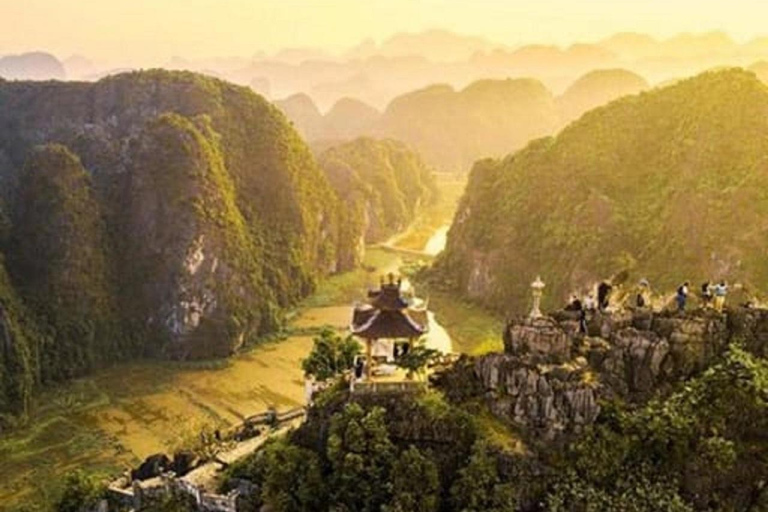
{"type": "Point", "coordinates": [153, 30]}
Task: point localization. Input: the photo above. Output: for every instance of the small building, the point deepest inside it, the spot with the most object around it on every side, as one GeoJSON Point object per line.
{"type": "Point", "coordinates": [388, 323]}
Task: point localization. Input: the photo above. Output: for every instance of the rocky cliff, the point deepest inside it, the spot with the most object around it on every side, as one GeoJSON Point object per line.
{"type": "Point", "coordinates": [191, 196]}
{"type": "Point", "coordinates": [551, 379]}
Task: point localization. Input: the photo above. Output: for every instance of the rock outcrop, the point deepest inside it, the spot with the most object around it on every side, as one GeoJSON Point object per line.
{"type": "Point", "coordinates": [551, 378]}
{"type": "Point", "coordinates": [546, 399]}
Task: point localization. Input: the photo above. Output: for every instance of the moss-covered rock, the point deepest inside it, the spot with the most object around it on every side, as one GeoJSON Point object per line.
{"type": "Point", "coordinates": [58, 257]}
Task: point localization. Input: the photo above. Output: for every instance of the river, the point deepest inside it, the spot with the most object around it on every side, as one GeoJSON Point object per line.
{"type": "Point", "coordinates": [436, 243]}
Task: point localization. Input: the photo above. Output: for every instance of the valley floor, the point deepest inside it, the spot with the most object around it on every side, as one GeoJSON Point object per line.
{"type": "Point", "coordinates": [111, 420]}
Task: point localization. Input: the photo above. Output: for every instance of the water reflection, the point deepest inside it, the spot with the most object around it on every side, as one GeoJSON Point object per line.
{"type": "Point", "coordinates": [438, 338]}
{"type": "Point", "coordinates": [436, 243]}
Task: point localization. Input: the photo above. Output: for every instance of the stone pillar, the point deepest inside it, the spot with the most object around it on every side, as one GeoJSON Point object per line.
{"type": "Point", "coordinates": [537, 288]}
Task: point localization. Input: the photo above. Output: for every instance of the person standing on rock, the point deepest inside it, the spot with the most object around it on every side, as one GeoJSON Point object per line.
{"type": "Point", "coordinates": [721, 290]}
{"type": "Point", "coordinates": [682, 296]}
{"type": "Point", "coordinates": [589, 303]}
{"type": "Point", "coordinates": [706, 294]}
{"type": "Point", "coordinates": [603, 292]}
{"type": "Point", "coordinates": [583, 321]}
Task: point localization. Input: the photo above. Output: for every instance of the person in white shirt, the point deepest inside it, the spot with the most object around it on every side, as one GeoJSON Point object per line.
{"type": "Point", "coordinates": [721, 290]}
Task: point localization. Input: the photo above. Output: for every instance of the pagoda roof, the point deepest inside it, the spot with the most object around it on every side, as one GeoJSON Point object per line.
{"type": "Point", "coordinates": [387, 298]}
{"type": "Point", "coordinates": [373, 323]}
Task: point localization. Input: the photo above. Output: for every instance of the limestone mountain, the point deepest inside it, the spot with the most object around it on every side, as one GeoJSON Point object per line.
{"type": "Point", "coordinates": [31, 66]}
{"type": "Point", "coordinates": [434, 45]}
{"type": "Point", "coordinates": [597, 88]}
{"type": "Point", "coordinates": [383, 183]}
{"type": "Point", "coordinates": [668, 185]}
{"type": "Point", "coordinates": [18, 338]}
{"type": "Point", "coordinates": [452, 129]}
{"type": "Point", "coordinates": [349, 118]}
{"type": "Point", "coordinates": [304, 114]}
{"type": "Point", "coordinates": [57, 257]}
{"type": "Point", "coordinates": [194, 197]}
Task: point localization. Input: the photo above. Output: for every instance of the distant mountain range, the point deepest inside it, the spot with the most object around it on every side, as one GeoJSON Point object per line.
{"type": "Point", "coordinates": [453, 128]}
{"type": "Point", "coordinates": [31, 66]}
{"type": "Point", "coordinates": [376, 73]}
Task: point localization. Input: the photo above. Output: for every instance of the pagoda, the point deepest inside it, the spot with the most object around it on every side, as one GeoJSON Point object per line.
{"type": "Point", "coordinates": [386, 318]}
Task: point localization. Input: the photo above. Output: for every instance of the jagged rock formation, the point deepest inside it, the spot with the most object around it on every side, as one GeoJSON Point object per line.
{"type": "Point", "coordinates": [663, 185]}
{"type": "Point", "coordinates": [195, 198]}
{"type": "Point", "coordinates": [550, 378]}
{"type": "Point", "coordinates": [542, 399]}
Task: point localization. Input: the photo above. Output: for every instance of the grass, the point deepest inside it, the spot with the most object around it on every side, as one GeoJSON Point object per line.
{"type": "Point", "coordinates": [473, 330]}
{"type": "Point", "coordinates": [498, 433]}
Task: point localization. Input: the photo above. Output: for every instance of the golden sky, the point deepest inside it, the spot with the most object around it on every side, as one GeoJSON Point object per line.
{"type": "Point", "coordinates": [151, 31]}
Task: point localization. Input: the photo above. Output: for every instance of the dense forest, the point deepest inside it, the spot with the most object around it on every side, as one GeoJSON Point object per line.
{"type": "Point", "coordinates": [163, 214]}
{"type": "Point", "coordinates": [668, 185]}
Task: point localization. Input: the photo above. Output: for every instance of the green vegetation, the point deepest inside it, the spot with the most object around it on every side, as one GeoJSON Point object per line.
{"type": "Point", "coordinates": [331, 355]}
{"type": "Point", "coordinates": [666, 185]}
{"type": "Point", "coordinates": [701, 447]}
{"type": "Point", "coordinates": [58, 258]}
{"type": "Point", "coordinates": [81, 492]}
{"type": "Point", "coordinates": [416, 361]}
{"type": "Point", "coordinates": [17, 361]}
{"type": "Point", "coordinates": [374, 454]}
{"type": "Point", "coordinates": [383, 184]}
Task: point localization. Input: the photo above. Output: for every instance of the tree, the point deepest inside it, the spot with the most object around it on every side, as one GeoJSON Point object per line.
{"type": "Point", "coordinates": [361, 456]}
{"type": "Point", "coordinates": [705, 444]}
{"type": "Point", "coordinates": [479, 488]}
{"type": "Point", "coordinates": [415, 483]}
{"type": "Point", "coordinates": [81, 492]}
{"type": "Point", "coordinates": [417, 359]}
{"type": "Point", "coordinates": [635, 493]}
{"type": "Point", "coordinates": [331, 355]}
{"type": "Point", "coordinates": [292, 481]}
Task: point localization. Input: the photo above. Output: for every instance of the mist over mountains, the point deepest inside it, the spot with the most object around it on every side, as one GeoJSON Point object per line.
{"type": "Point", "coordinates": [377, 73]}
